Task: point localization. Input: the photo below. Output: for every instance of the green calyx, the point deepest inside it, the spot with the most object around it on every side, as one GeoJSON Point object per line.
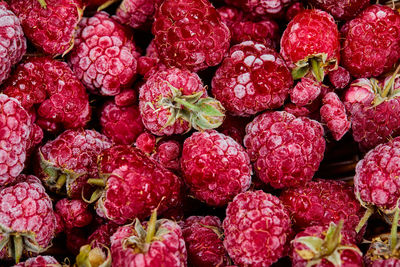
{"type": "Point", "coordinates": [17, 242]}
{"type": "Point", "coordinates": [93, 257]}
{"type": "Point", "coordinates": [106, 4]}
{"type": "Point", "coordinates": [317, 64]}
{"type": "Point", "coordinates": [201, 113]}
{"type": "Point", "coordinates": [387, 91]}
{"type": "Point", "coordinates": [142, 240]}
{"type": "Point", "coordinates": [42, 3]}
{"type": "Point", "coordinates": [57, 179]}
{"type": "Point", "coordinates": [328, 248]}
{"type": "Point", "coordinates": [100, 184]}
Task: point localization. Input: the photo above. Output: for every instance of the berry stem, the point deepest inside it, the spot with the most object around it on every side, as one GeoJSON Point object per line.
{"type": "Point", "coordinates": [317, 70]}
{"type": "Point", "coordinates": [186, 104]}
{"type": "Point", "coordinates": [61, 181]}
{"type": "Point", "coordinates": [151, 227]}
{"type": "Point", "coordinates": [364, 219]}
{"type": "Point", "coordinates": [18, 247]}
{"type": "Point", "coordinates": [393, 231]}
{"type": "Point", "coordinates": [96, 181]}
{"type": "Point", "coordinates": [389, 86]}
{"type": "Point", "coordinates": [42, 3]}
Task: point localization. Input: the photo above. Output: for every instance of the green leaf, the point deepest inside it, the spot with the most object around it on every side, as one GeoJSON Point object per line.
{"type": "Point", "coordinates": [312, 242]}
{"type": "Point", "coordinates": [300, 72]}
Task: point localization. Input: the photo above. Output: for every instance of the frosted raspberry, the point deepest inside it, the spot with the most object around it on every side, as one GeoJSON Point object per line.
{"type": "Point", "coordinates": [251, 79]}
{"type": "Point", "coordinates": [39, 261]}
{"type": "Point", "coordinates": [74, 213]}
{"type": "Point", "coordinates": [297, 110]}
{"type": "Point", "coordinates": [67, 162]}
{"type": "Point", "coordinates": [256, 229]}
{"type": "Point", "coordinates": [229, 175]}
{"type": "Point", "coordinates": [26, 213]}
{"type": "Point", "coordinates": [190, 34]}
{"type": "Point", "coordinates": [137, 13]}
{"type": "Point", "coordinates": [286, 151]}
{"type": "Point", "coordinates": [342, 9]}
{"type": "Point", "coordinates": [339, 78]}
{"type": "Point", "coordinates": [104, 57]}
{"type": "Point", "coordinates": [168, 154]}
{"type": "Point", "coordinates": [121, 124]}
{"type": "Point", "coordinates": [371, 42]}
{"type": "Point", "coordinates": [174, 100]}
{"type": "Point", "coordinates": [12, 41]}
{"type": "Point", "coordinates": [305, 91]}
{"type": "Point", "coordinates": [261, 8]}
{"type": "Point", "coordinates": [146, 142]}
{"type": "Point", "coordinates": [310, 44]}
{"type": "Point", "coordinates": [159, 244]}
{"type": "Point", "coordinates": [333, 113]}
{"type": "Point", "coordinates": [203, 238]}
{"type": "Point", "coordinates": [15, 132]}
{"type": "Point", "coordinates": [50, 28]}
{"type": "Point", "coordinates": [127, 97]}
{"type": "Point", "coordinates": [50, 87]}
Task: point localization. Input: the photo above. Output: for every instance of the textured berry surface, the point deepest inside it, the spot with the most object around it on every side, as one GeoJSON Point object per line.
{"type": "Point", "coordinates": [74, 212]}
{"type": "Point", "coordinates": [375, 182]}
{"type": "Point", "coordinates": [340, 78]}
{"type": "Point", "coordinates": [50, 29]}
{"type": "Point", "coordinates": [305, 91]}
{"type": "Point", "coordinates": [121, 124]}
{"type": "Point", "coordinates": [311, 33]}
{"type": "Point", "coordinates": [320, 202]}
{"type": "Point", "coordinates": [39, 261]}
{"type": "Point", "coordinates": [256, 229]}
{"type": "Point", "coordinates": [60, 99]}
{"type": "Point", "coordinates": [342, 9]}
{"type": "Point", "coordinates": [137, 13]}
{"type": "Point", "coordinates": [371, 42]}
{"type": "Point", "coordinates": [15, 131]}
{"type": "Point", "coordinates": [101, 236]}
{"type": "Point", "coordinates": [168, 251]}
{"type": "Point", "coordinates": [251, 79]}
{"type": "Point", "coordinates": [12, 41]}
{"type": "Point", "coordinates": [333, 113]}
{"type": "Point", "coordinates": [372, 122]}
{"type": "Point", "coordinates": [350, 255]}
{"type": "Point", "coordinates": [190, 34]}
{"type": "Point", "coordinates": [261, 8]}
{"type": "Point", "coordinates": [104, 57]}
{"type": "Point", "coordinates": [154, 115]}
{"type": "Point", "coordinates": [215, 167]}
{"type": "Point", "coordinates": [25, 207]}
{"type": "Point", "coordinates": [168, 154]}
{"type": "Point", "coordinates": [285, 150]}
{"type": "Point", "coordinates": [136, 185]}
{"type": "Point", "coordinates": [72, 156]}
{"type": "Point", "coordinates": [146, 142]}
{"type": "Point", "coordinates": [203, 238]}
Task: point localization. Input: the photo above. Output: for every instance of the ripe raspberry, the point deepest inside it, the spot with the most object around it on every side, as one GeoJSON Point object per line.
{"type": "Point", "coordinates": [146, 142]}
{"type": "Point", "coordinates": [203, 241]}
{"type": "Point", "coordinates": [104, 57]}
{"type": "Point", "coordinates": [190, 34]}
{"type": "Point", "coordinates": [286, 151]}
{"type": "Point", "coordinates": [321, 246]}
{"type": "Point", "coordinates": [229, 175]}
{"type": "Point", "coordinates": [333, 113]}
{"type": "Point", "coordinates": [50, 27]}
{"type": "Point", "coordinates": [15, 132]}
{"type": "Point", "coordinates": [297, 110]}
{"type": "Point", "coordinates": [101, 236]}
{"type": "Point", "coordinates": [174, 100]}
{"type": "Point", "coordinates": [74, 213]}
{"type": "Point", "coordinates": [12, 41]}
{"type": "Point", "coordinates": [27, 220]}
{"type": "Point", "coordinates": [67, 162]}
{"type": "Point", "coordinates": [39, 261]}
{"type": "Point", "coordinates": [371, 42]}
{"type": "Point", "coordinates": [135, 185]}
{"type": "Point", "coordinates": [374, 110]}
{"type": "Point", "coordinates": [161, 244]}
{"type": "Point", "coordinates": [256, 229]}
{"type": "Point", "coordinates": [305, 91]}
{"type": "Point", "coordinates": [261, 8]}
{"type": "Point", "coordinates": [137, 13]}
{"type": "Point", "coordinates": [342, 9]}
{"type": "Point", "coordinates": [127, 97]}
{"type": "Point", "coordinates": [376, 182]}
{"type": "Point", "coordinates": [121, 124]}
{"type": "Point", "coordinates": [310, 43]}
{"type": "Point", "coordinates": [293, 10]}
{"type": "Point", "coordinates": [51, 86]}
{"type": "Point", "coordinates": [320, 202]}
{"type": "Point", "coordinates": [339, 78]}
{"type": "Point", "coordinates": [168, 154]}
{"type": "Point", "coordinates": [251, 79]}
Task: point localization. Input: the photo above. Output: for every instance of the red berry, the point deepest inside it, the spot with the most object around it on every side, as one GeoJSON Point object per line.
{"type": "Point", "coordinates": [305, 91]}
{"type": "Point", "coordinates": [137, 13]}
{"type": "Point", "coordinates": [74, 213]}
{"type": "Point", "coordinates": [342, 9]}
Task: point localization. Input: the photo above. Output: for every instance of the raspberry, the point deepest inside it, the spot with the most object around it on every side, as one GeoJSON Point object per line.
{"type": "Point", "coordinates": [39, 261]}
{"type": "Point", "coordinates": [137, 13]}
{"type": "Point", "coordinates": [168, 154]}
{"type": "Point", "coordinates": [256, 229]}
{"type": "Point", "coordinates": [74, 213]}
{"type": "Point", "coordinates": [342, 9]}
{"type": "Point", "coordinates": [260, 9]}
{"type": "Point", "coordinates": [251, 79]}
{"type": "Point", "coordinates": [104, 57]}
{"type": "Point", "coordinates": [190, 34]}
{"type": "Point", "coordinates": [305, 92]}
{"type": "Point", "coordinates": [339, 78]}
{"type": "Point", "coordinates": [286, 151]}
{"type": "Point", "coordinates": [146, 142]}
